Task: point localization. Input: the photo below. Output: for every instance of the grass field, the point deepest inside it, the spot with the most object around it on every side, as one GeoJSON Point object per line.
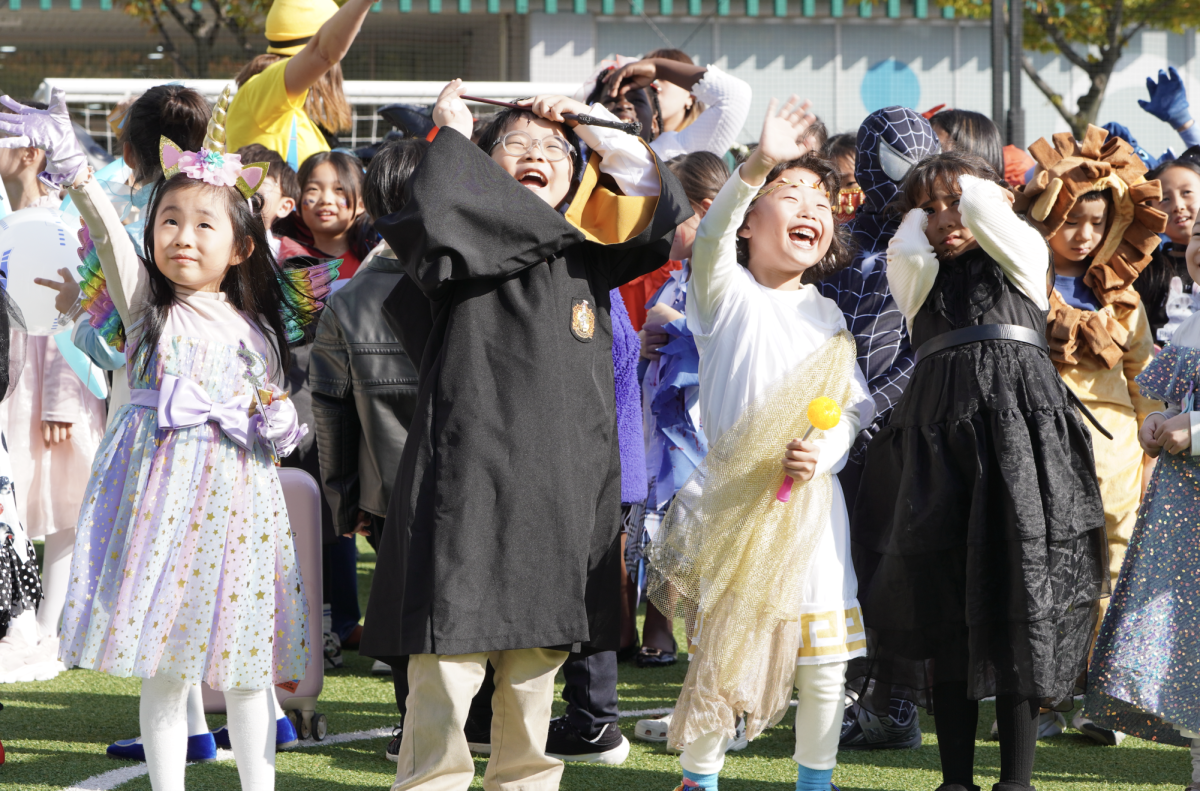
{"type": "Point", "coordinates": [55, 733]}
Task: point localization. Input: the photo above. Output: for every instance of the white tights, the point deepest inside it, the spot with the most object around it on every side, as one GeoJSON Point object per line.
{"type": "Point", "coordinates": [821, 690]}
{"type": "Point", "coordinates": [197, 724]}
{"type": "Point", "coordinates": [56, 577]}
{"type": "Point", "coordinates": [164, 722]}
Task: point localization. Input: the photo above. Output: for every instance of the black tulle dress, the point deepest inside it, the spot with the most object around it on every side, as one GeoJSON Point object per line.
{"type": "Point", "coordinates": [978, 534]}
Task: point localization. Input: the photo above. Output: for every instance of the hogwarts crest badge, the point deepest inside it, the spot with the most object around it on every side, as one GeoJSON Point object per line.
{"type": "Point", "coordinates": [583, 320]}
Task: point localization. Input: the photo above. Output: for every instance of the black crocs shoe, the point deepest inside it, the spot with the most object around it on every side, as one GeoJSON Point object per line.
{"type": "Point", "coordinates": [566, 743]}
{"type": "Point", "coordinates": [862, 730]}
{"type": "Point", "coordinates": [393, 749]}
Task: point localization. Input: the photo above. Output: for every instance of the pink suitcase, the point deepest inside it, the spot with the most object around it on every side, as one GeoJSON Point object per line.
{"type": "Point", "coordinates": [303, 500]}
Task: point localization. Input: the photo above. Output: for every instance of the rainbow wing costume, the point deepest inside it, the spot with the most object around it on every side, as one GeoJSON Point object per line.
{"type": "Point", "coordinates": [94, 294]}
{"type": "Point", "coordinates": [305, 290]}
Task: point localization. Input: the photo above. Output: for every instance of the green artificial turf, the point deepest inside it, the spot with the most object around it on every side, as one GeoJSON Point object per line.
{"type": "Point", "coordinates": [55, 733]}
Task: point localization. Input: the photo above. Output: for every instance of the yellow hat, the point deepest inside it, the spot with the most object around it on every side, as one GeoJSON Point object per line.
{"type": "Point", "coordinates": [291, 23]}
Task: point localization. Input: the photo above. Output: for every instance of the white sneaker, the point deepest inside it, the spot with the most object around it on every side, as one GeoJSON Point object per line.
{"type": "Point", "coordinates": [1095, 732]}
{"type": "Point", "coordinates": [1050, 723]}
{"type": "Point", "coordinates": [381, 669]}
{"type": "Point", "coordinates": [652, 730]}
{"type": "Point", "coordinates": [35, 663]}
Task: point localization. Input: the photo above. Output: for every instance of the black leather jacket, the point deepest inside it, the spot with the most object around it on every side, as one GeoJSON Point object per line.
{"type": "Point", "coordinates": [364, 391]}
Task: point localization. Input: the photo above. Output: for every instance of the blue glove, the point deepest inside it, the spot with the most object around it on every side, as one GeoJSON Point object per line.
{"type": "Point", "coordinates": [1168, 98]}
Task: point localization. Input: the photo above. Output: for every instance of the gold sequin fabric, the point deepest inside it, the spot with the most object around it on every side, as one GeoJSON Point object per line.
{"type": "Point", "coordinates": [732, 559]}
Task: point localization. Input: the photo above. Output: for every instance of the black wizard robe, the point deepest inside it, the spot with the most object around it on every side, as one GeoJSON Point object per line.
{"type": "Point", "coordinates": [503, 530]}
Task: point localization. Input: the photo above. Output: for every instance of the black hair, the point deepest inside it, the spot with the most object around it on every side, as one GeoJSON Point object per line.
{"type": "Point", "coordinates": [701, 174]}
{"type": "Point", "coordinates": [972, 133]}
{"type": "Point", "coordinates": [941, 171]}
{"type": "Point", "coordinates": [386, 189]}
{"type": "Point", "coordinates": [817, 136]}
{"type": "Point", "coordinates": [841, 248]}
{"type": "Point", "coordinates": [172, 111]}
{"type": "Point", "coordinates": [645, 105]}
{"type": "Point", "coordinates": [252, 287]}
{"type": "Point", "coordinates": [277, 168]}
{"type": "Point", "coordinates": [1095, 195]}
{"type": "Point", "coordinates": [503, 120]}
{"type": "Point", "coordinates": [1186, 162]}
{"type": "Point", "coordinates": [841, 145]}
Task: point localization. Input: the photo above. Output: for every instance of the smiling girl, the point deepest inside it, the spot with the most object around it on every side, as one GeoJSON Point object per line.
{"type": "Point", "coordinates": [978, 528]}
{"type": "Point", "coordinates": [330, 221]}
{"type": "Point", "coordinates": [184, 568]}
{"type": "Point", "coordinates": [757, 577]}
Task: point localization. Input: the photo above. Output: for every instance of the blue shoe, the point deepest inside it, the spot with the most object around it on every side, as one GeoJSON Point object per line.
{"type": "Point", "coordinates": [285, 735]}
{"type": "Point", "coordinates": [201, 748]}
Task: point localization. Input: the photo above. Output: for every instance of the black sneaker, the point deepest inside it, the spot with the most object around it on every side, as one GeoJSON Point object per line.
{"type": "Point", "coordinates": [862, 730]}
{"type": "Point", "coordinates": [479, 736]}
{"type": "Point", "coordinates": [393, 749]}
{"type": "Point", "coordinates": [566, 743]}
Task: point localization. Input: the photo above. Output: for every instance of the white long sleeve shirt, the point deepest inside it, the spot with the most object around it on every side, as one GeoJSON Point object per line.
{"type": "Point", "coordinates": [1017, 247]}
{"type": "Point", "coordinates": [750, 336]}
{"type": "Point", "coordinates": [727, 104]}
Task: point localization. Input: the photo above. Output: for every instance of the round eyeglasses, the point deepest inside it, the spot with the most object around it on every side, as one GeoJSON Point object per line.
{"type": "Point", "coordinates": [519, 144]}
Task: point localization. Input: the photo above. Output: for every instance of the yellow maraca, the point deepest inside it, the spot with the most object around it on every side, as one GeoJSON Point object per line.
{"type": "Point", "coordinates": [823, 413]}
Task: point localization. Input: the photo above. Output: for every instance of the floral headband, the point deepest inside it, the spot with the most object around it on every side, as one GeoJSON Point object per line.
{"type": "Point", "coordinates": [211, 164]}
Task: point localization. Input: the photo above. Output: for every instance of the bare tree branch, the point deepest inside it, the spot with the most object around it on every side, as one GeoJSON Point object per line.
{"type": "Point", "coordinates": [1054, 96]}
{"type": "Point", "coordinates": [169, 45]}
{"type": "Point", "coordinates": [1061, 42]}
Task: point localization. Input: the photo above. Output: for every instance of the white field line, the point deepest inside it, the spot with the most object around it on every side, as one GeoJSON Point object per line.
{"type": "Point", "coordinates": [107, 781]}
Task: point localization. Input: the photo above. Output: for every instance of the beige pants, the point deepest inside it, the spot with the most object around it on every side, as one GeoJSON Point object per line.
{"type": "Point", "coordinates": [433, 750]}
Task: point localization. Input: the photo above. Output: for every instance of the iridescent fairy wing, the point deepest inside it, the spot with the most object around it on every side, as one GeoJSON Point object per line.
{"type": "Point", "coordinates": [102, 313]}
{"type": "Point", "coordinates": [305, 290]}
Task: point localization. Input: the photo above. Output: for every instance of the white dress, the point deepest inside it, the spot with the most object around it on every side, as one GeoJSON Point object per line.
{"type": "Point", "coordinates": [749, 337]}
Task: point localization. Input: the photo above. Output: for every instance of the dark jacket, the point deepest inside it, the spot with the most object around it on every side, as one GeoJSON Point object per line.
{"type": "Point", "coordinates": [503, 531]}
{"type": "Point", "coordinates": [364, 390]}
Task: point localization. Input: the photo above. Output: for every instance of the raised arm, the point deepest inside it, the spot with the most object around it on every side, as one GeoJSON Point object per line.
{"type": "Point", "coordinates": [714, 253]}
{"type": "Point", "coordinates": [727, 103]}
{"type": "Point", "coordinates": [622, 156]}
{"type": "Point", "coordinates": [1017, 247]}
{"type": "Point", "coordinates": [127, 280]}
{"type": "Point", "coordinates": [326, 49]}
{"type": "Point", "coordinates": [911, 264]}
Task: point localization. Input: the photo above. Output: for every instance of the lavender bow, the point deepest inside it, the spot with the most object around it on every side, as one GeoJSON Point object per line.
{"type": "Point", "coordinates": [182, 403]}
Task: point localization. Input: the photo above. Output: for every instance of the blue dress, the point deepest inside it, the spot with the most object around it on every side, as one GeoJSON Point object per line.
{"type": "Point", "coordinates": [1146, 667]}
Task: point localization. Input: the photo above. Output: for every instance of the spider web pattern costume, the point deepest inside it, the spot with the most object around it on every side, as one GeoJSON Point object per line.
{"type": "Point", "coordinates": [890, 141]}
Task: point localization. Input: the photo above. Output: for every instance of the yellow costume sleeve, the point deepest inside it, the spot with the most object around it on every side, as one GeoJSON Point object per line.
{"type": "Point", "coordinates": [604, 215]}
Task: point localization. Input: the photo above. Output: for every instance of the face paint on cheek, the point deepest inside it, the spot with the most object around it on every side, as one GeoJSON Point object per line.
{"type": "Point", "coordinates": [309, 203]}
{"type": "Point", "coordinates": [343, 203]}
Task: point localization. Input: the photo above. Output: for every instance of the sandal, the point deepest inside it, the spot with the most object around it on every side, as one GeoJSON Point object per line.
{"type": "Point", "coordinates": [656, 657]}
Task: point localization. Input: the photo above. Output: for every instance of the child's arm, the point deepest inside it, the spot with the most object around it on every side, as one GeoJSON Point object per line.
{"type": "Point", "coordinates": [1017, 247]}
{"type": "Point", "coordinates": [128, 281]}
{"type": "Point", "coordinates": [622, 156]}
{"type": "Point", "coordinates": [714, 253]}
{"type": "Point", "coordinates": [912, 266]}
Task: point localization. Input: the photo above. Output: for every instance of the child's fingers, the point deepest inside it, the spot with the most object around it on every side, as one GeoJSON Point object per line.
{"type": "Point", "coordinates": [771, 105]}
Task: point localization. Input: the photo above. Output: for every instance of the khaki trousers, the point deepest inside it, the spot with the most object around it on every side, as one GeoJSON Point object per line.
{"type": "Point", "coordinates": [433, 750]}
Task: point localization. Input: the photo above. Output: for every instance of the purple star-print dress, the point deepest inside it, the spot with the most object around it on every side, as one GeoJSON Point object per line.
{"type": "Point", "coordinates": [184, 560]}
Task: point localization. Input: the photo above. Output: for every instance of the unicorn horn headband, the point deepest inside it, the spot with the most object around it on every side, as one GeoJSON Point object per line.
{"type": "Point", "coordinates": [211, 164]}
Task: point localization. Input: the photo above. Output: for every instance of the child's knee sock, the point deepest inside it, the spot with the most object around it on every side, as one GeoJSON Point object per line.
{"type": "Point", "coordinates": [252, 737]}
{"type": "Point", "coordinates": [196, 722]}
{"type": "Point", "coordinates": [279, 715]}
{"type": "Point", "coordinates": [821, 691]}
{"type": "Point", "coordinates": [163, 719]}
{"type": "Point", "coordinates": [702, 761]}
{"type": "Point", "coordinates": [814, 779]}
